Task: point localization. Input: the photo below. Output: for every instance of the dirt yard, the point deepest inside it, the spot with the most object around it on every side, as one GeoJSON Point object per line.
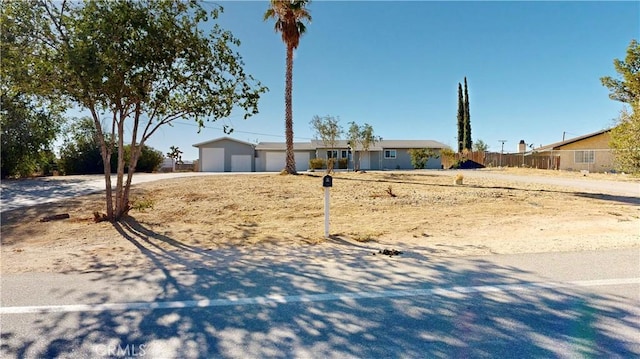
{"type": "Point", "coordinates": [403, 210]}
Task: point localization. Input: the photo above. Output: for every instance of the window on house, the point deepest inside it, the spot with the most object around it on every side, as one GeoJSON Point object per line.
{"type": "Point", "coordinates": [343, 154]}
{"type": "Point", "coordinates": [389, 154]}
{"type": "Point", "coordinates": [585, 157]}
{"type": "Point", "coordinates": [332, 154]}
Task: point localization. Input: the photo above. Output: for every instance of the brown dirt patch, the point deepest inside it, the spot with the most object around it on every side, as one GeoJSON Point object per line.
{"type": "Point", "coordinates": [404, 210]}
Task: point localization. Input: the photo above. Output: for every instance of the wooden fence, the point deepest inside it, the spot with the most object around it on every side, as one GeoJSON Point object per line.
{"type": "Point", "coordinates": [496, 159]}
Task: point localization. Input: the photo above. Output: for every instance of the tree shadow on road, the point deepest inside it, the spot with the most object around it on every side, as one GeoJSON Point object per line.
{"type": "Point", "coordinates": [358, 306]}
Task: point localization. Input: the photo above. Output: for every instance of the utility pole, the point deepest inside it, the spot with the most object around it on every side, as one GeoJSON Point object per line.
{"type": "Point", "coordinates": [501, 150]}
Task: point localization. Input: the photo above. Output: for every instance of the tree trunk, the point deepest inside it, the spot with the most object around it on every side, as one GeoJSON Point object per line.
{"type": "Point", "coordinates": [133, 161]}
{"type": "Point", "coordinates": [291, 161]}
{"type": "Point", "coordinates": [134, 155]}
{"type": "Point", "coordinates": [106, 159]}
{"type": "Point", "coordinates": [120, 205]}
{"type": "Point", "coordinates": [105, 152]}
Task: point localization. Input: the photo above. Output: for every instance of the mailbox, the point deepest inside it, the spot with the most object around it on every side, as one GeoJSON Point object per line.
{"type": "Point", "coordinates": [327, 181]}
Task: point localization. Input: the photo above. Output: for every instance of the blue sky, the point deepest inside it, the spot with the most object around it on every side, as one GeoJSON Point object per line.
{"type": "Point", "coordinates": [533, 70]}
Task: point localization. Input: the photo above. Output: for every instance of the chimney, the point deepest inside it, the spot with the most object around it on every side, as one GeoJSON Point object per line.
{"type": "Point", "coordinates": [522, 147]}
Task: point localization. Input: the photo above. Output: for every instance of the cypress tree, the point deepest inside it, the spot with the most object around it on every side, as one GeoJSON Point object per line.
{"type": "Point", "coordinates": [460, 118]}
{"type": "Point", "coordinates": [467, 118]}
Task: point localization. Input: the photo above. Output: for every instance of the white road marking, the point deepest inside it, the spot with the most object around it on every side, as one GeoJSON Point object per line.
{"type": "Point", "coordinates": [305, 298]}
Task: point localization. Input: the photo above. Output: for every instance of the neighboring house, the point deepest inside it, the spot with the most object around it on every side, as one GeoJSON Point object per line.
{"type": "Point", "coordinates": [226, 155]}
{"type": "Point", "coordinates": [585, 153]}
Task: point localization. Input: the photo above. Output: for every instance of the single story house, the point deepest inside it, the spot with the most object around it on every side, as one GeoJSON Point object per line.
{"type": "Point", "coordinates": [383, 155]}
{"type": "Point", "coordinates": [584, 153]}
{"type": "Point", "coordinates": [230, 155]}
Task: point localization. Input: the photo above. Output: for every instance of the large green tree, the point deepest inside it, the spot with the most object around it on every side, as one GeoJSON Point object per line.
{"type": "Point", "coordinates": [28, 124]}
{"type": "Point", "coordinates": [625, 141]}
{"type": "Point", "coordinates": [460, 119]}
{"type": "Point", "coordinates": [132, 64]}
{"type": "Point", "coordinates": [467, 119]}
{"type": "Point", "coordinates": [625, 136]}
{"type": "Point", "coordinates": [28, 133]}
{"type": "Point", "coordinates": [290, 17]}
{"type": "Point", "coordinates": [626, 88]}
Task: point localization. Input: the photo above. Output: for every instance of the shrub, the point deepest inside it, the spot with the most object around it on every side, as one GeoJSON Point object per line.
{"type": "Point", "coordinates": [342, 163]}
{"type": "Point", "coordinates": [317, 163]}
{"type": "Point", "coordinates": [142, 204]}
{"type": "Point", "coordinates": [150, 160]}
{"type": "Point", "coordinates": [420, 157]}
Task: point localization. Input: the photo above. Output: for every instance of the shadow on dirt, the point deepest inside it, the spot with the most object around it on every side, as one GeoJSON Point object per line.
{"type": "Point", "coordinates": [607, 197]}
{"type": "Point", "coordinates": [384, 319]}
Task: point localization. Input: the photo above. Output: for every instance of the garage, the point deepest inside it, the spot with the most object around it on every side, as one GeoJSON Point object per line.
{"type": "Point", "coordinates": [241, 163]}
{"type": "Point", "coordinates": [275, 161]}
{"type": "Point", "coordinates": [226, 155]}
{"type": "Point", "coordinates": [212, 160]}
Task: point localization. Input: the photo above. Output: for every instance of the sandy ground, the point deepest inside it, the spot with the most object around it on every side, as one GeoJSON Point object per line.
{"type": "Point", "coordinates": [410, 211]}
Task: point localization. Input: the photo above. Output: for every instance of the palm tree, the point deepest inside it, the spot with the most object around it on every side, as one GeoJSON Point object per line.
{"type": "Point", "coordinates": [289, 16]}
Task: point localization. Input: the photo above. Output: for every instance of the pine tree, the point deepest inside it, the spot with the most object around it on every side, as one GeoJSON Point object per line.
{"type": "Point", "coordinates": [467, 118]}
{"type": "Point", "coordinates": [460, 118]}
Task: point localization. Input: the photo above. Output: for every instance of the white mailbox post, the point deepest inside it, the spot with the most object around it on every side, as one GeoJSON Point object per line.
{"type": "Point", "coordinates": [327, 183]}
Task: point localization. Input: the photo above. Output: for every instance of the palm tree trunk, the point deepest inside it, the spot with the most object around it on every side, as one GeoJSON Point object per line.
{"type": "Point", "coordinates": [290, 162]}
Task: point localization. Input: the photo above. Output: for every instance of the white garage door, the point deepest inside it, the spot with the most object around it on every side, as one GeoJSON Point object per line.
{"type": "Point", "coordinates": [213, 160]}
{"type": "Point", "coordinates": [240, 163]}
{"type": "Point", "coordinates": [302, 161]}
{"type": "Point", "coordinates": [275, 161]}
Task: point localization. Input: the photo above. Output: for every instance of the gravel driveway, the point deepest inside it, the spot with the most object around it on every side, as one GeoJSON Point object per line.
{"type": "Point", "coordinates": [32, 191]}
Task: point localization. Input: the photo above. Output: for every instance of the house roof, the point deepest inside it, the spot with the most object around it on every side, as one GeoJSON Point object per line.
{"type": "Point", "coordinates": [411, 144]}
{"type": "Point", "coordinates": [555, 146]}
{"type": "Point", "coordinates": [282, 146]}
{"type": "Point", "coordinates": [221, 139]}
{"type": "Point", "coordinates": [393, 144]}
{"type": "Point", "coordinates": [318, 144]}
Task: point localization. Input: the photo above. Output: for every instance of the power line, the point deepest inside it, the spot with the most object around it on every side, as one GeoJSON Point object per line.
{"type": "Point", "coordinates": [238, 131]}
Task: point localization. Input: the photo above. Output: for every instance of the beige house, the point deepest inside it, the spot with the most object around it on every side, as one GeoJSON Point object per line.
{"type": "Point", "coordinates": [585, 153]}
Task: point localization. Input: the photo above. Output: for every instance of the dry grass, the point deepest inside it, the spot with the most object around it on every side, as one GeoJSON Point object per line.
{"type": "Point", "coordinates": [480, 217]}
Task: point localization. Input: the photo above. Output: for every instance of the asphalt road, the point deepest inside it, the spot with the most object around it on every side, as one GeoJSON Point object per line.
{"type": "Point", "coordinates": [329, 302]}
